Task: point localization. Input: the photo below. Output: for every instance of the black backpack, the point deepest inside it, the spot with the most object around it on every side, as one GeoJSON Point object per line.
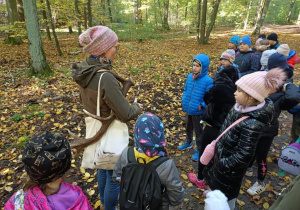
{"type": "Point", "coordinates": [141, 187]}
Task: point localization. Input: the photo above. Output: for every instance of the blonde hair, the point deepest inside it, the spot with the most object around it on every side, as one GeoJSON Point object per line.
{"type": "Point", "coordinates": [250, 100]}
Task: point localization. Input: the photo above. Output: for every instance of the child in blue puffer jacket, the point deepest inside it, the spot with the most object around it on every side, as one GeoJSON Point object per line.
{"type": "Point", "coordinates": [196, 85]}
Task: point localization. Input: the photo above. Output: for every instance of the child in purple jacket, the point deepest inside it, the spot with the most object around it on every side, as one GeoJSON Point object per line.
{"type": "Point", "coordinates": [47, 157]}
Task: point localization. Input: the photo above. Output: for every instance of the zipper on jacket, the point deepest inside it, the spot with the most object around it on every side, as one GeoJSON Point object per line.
{"type": "Point", "coordinates": [191, 96]}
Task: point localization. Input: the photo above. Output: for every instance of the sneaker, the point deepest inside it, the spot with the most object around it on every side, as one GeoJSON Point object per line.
{"type": "Point", "coordinates": [256, 189]}
{"type": "Point", "coordinates": [249, 172]}
{"type": "Point", "coordinates": [195, 157]}
{"type": "Point", "coordinates": [185, 145]}
{"type": "Point", "coordinates": [193, 179]}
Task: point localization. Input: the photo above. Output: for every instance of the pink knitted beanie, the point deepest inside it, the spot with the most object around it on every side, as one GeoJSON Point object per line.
{"type": "Point", "coordinates": [97, 40]}
{"type": "Point", "coordinates": [259, 84]}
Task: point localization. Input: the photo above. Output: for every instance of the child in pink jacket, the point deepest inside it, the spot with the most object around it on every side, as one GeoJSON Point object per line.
{"type": "Point", "coordinates": [46, 158]}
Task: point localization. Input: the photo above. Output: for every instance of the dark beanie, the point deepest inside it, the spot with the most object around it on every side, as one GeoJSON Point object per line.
{"type": "Point", "coordinates": [263, 36]}
{"type": "Point", "coordinates": [273, 37]}
{"type": "Point", "coordinates": [279, 60]}
{"type": "Point", "coordinates": [47, 157]}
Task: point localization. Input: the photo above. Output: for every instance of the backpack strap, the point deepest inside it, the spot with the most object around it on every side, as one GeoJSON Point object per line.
{"type": "Point", "coordinates": [158, 161]}
{"type": "Point", "coordinates": [130, 155]}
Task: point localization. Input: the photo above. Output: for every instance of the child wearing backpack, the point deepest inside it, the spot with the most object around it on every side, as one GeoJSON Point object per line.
{"type": "Point", "coordinates": [47, 157]}
{"type": "Point", "coordinates": [145, 167]}
{"type": "Point", "coordinates": [246, 59]}
{"type": "Point", "coordinates": [236, 148]}
{"type": "Point", "coordinates": [227, 59]}
{"type": "Point", "coordinates": [196, 85]}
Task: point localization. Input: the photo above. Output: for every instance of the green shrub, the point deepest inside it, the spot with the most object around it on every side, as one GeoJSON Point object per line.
{"type": "Point", "coordinates": [16, 118]}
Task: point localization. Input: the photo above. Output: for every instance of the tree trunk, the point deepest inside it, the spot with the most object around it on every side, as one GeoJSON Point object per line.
{"type": "Point", "coordinates": [109, 11]}
{"type": "Point", "coordinates": [155, 14]}
{"type": "Point", "coordinates": [46, 20]}
{"type": "Point", "coordinates": [261, 17]}
{"type": "Point", "coordinates": [77, 13]}
{"type": "Point", "coordinates": [288, 19]}
{"type": "Point", "coordinates": [37, 53]}
{"type": "Point", "coordinates": [166, 15]}
{"type": "Point", "coordinates": [203, 22]}
{"type": "Point", "coordinates": [12, 11]}
{"type": "Point", "coordinates": [298, 20]}
{"type": "Point", "coordinates": [20, 10]}
{"type": "Point", "coordinates": [213, 18]}
{"type": "Point", "coordinates": [137, 12]}
{"type": "Point", "coordinates": [185, 11]}
{"type": "Point", "coordinates": [85, 18]}
{"type": "Point", "coordinates": [53, 27]}
{"type": "Point", "coordinates": [70, 29]}
{"type": "Point", "coordinates": [89, 13]}
{"type": "Point", "coordinates": [257, 12]}
{"type": "Point", "coordinates": [159, 9]}
{"type": "Point", "coordinates": [247, 17]}
{"type": "Point", "coordinates": [102, 12]}
{"type": "Point", "coordinates": [198, 20]}
{"type": "Point", "coordinates": [177, 15]}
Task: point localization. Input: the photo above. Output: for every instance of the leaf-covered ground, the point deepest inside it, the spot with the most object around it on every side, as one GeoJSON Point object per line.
{"type": "Point", "coordinates": [30, 105]}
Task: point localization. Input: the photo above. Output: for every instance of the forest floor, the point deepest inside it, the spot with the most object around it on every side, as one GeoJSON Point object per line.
{"type": "Point", "coordinates": [30, 105]}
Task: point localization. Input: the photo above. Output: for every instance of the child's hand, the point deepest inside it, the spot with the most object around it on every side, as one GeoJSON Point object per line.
{"type": "Point", "coordinates": [200, 107]}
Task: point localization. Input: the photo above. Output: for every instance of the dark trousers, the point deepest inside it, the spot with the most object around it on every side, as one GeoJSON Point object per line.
{"type": "Point", "coordinates": [295, 132]}
{"type": "Point", "coordinates": [209, 134]}
{"type": "Point", "coordinates": [193, 124]}
{"type": "Point", "coordinates": [261, 154]}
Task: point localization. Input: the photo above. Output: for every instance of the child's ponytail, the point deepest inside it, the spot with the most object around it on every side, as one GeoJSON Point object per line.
{"type": "Point", "coordinates": [275, 78]}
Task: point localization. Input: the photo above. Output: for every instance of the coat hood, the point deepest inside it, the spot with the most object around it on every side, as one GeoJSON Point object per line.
{"type": "Point", "coordinates": [204, 60]}
{"type": "Point", "coordinates": [291, 54]}
{"type": "Point", "coordinates": [84, 72]}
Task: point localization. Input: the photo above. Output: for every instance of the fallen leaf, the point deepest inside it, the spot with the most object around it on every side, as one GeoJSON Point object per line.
{"type": "Point", "coordinates": [184, 176]}
{"type": "Point", "coordinates": [266, 205]}
{"type": "Point", "coordinates": [186, 200]}
{"type": "Point", "coordinates": [190, 185]}
{"type": "Point", "coordinates": [97, 204]}
{"type": "Point", "coordinates": [241, 203]}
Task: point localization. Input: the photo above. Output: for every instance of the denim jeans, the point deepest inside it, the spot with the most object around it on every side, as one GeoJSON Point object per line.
{"type": "Point", "coordinates": [108, 189]}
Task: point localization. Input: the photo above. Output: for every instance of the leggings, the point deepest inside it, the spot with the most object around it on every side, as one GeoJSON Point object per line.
{"type": "Point", "coordinates": [209, 134]}
{"type": "Point", "coordinates": [261, 153]}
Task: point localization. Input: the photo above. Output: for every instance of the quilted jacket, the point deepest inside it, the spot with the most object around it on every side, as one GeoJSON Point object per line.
{"type": "Point", "coordinates": [194, 89]}
{"type": "Point", "coordinates": [248, 62]}
{"type": "Point", "coordinates": [235, 150]}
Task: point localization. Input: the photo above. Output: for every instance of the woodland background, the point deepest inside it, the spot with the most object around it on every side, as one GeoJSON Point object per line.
{"type": "Point", "coordinates": [159, 38]}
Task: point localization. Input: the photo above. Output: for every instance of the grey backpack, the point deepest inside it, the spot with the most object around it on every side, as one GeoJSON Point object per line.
{"type": "Point", "coordinates": [289, 159]}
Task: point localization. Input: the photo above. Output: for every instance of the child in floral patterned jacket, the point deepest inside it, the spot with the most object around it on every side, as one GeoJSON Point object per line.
{"type": "Point", "coordinates": [47, 157]}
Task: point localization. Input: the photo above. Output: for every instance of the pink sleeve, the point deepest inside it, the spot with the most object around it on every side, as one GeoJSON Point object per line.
{"type": "Point", "coordinates": [10, 204]}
